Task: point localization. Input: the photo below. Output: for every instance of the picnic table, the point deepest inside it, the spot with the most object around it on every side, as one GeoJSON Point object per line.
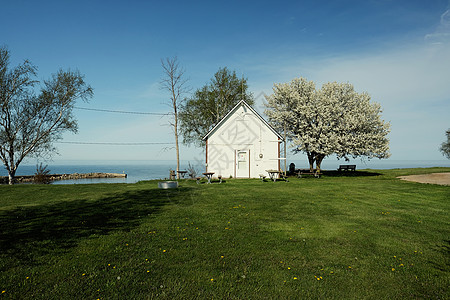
{"type": "Point", "coordinates": [182, 173]}
{"type": "Point", "coordinates": [273, 174]}
{"type": "Point", "coordinates": [208, 176]}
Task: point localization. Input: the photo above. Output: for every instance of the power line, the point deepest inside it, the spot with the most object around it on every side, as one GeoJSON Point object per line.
{"type": "Point", "coordinates": [115, 144]}
{"type": "Point", "coordinates": [121, 111]}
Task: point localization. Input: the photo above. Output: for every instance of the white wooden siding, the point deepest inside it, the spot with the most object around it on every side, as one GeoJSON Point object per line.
{"type": "Point", "coordinates": [242, 131]}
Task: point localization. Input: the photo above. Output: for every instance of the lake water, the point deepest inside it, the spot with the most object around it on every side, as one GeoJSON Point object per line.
{"type": "Point", "coordinates": [145, 170]}
{"type": "Point", "coordinates": [134, 172]}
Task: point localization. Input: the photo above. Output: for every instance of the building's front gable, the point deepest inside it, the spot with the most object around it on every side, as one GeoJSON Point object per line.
{"type": "Point", "coordinates": [242, 145]}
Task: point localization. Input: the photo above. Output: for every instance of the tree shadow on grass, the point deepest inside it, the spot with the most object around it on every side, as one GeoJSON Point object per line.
{"type": "Point", "coordinates": [444, 250]}
{"type": "Point", "coordinates": [350, 173]}
{"type": "Point", "coordinates": [29, 232]}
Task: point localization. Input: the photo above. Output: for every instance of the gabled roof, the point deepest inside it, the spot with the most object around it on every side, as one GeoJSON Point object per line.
{"type": "Point", "coordinates": [232, 111]}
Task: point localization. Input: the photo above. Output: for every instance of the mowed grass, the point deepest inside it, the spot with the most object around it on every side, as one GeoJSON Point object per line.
{"type": "Point", "coordinates": [362, 236]}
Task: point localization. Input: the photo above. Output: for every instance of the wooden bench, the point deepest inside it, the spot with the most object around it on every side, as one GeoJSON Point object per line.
{"type": "Point", "coordinates": [198, 179]}
{"type": "Point", "coordinates": [220, 178]}
{"type": "Point", "coordinates": [262, 177]}
{"type": "Point", "coordinates": [347, 168]}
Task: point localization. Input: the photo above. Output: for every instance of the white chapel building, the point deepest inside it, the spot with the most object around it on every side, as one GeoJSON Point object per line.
{"type": "Point", "coordinates": [242, 145]}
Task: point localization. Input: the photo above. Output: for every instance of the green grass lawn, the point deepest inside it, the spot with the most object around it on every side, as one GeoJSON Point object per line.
{"type": "Point", "coordinates": [367, 235]}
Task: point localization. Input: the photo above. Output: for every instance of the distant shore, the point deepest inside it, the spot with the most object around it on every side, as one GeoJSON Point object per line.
{"type": "Point", "coordinates": [73, 176]}
{"type": "Point", "coordinates": [147, 170]}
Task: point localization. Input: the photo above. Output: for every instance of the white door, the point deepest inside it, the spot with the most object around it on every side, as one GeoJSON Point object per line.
{"type": "Point", "coordinates": [243, 163]}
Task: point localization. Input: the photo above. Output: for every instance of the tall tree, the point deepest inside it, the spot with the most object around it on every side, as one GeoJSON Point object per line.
{"type": "Point", "coordinates": [333, 120]}
{"type": "Point", "coordinates": [445, 146]}
{"type": "Point", "coordinates": [174, 82]}
{"type": "Point", "coordinates": [211, 103]}
{"type": "Point", "coordinates": [30, 122]}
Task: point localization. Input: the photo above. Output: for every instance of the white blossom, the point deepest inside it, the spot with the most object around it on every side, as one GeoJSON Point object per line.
{"type": "Point", "coordinates": [333, 120]}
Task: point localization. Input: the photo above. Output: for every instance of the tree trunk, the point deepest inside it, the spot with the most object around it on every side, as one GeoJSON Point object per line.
{"type": "Point", "coordinates": [11, 168]}
{"type": "Point", "coordinates": [177, 147]}
{"type": "Point", "coordinates": [11, 176]}
{"type": "Point", "coordinates": [285, 150]}
{"type": "Point", "coordinates": [175, 128]}
{"type": "Point", "coordinates": [319, 159]}
{"type": "Point", "coordinates": [311, 161]}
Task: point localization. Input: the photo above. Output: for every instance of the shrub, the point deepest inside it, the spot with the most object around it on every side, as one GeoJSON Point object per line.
{"type": "Point", "coordinates": [42, 174]}
{"type": "Point", "coordinates": [192, 171]}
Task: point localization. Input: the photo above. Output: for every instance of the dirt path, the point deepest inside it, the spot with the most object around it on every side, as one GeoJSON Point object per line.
{"type": "Point", "coordinates": [434, 178]}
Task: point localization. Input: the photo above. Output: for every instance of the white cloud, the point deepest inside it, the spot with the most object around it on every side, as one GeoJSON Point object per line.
{"type": "Point", "coordinates": [404, 75]}
{"type": "Point", "coordinates": [152, 91]}
{"type": "Point", "coordinates": [410, 81]}
{"type": "Point", "coordinates": [442, 33]}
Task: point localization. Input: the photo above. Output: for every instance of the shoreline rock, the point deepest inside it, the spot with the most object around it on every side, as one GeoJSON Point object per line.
{"type": "Point", "coordinates": [56, 177]}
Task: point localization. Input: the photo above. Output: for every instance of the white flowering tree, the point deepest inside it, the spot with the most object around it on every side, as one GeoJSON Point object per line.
{"type": "Point", "coordinates": [333, 120]}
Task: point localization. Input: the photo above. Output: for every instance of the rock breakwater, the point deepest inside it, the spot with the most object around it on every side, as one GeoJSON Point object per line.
{"type": "Point", "coordinates": [54, 177]}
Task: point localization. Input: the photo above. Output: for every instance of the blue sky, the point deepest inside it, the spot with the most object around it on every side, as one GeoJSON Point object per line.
{"type": "Point", "coordinates": [397, 51]}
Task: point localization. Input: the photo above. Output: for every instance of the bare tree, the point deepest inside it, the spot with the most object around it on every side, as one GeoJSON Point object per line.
{"type": "Point", "coordinates": [174, 82]}
{"type": "Point", "coordinates": [30, 122]}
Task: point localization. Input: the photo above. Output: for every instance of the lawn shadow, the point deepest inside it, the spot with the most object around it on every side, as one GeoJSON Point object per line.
{"type": "Point", "coordinates": [350, 173]}
{"type": "Point", "coordinates": [444, 250]}
{"type": "Point", "coordinates": [30, 232]}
